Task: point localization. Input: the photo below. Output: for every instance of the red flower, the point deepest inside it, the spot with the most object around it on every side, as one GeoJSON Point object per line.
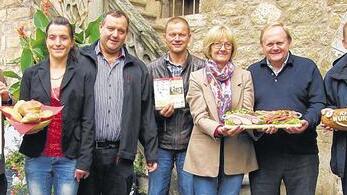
{"type": "Point", "coordinates": [46, 5]}
{"type": "Point", "coordinates": [21, 32]}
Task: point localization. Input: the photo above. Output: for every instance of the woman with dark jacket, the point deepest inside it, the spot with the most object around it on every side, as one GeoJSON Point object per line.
{"type": "Point", "coordinates": [59, 155]}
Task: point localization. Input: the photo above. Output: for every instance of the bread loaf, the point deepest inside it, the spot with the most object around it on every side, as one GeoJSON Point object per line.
{"type": "Point", "coordinates": [335, 118]}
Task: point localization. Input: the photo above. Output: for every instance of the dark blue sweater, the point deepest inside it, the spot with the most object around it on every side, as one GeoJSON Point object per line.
{"type": "Point", "coordinates": [299, 87]}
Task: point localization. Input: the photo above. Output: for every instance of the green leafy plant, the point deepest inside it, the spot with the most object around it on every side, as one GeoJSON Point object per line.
{"type": "Point", "coordinates": [34, 48]}
{"type": "Point", "coordinates": [15, 163]}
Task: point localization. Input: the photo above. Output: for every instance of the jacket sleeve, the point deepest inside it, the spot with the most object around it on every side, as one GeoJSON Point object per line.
{"type": "Point", "coordinates": [199, 109]}
{"type": "Point", "coordinates": [316, 99]}
{"type": "Point", "coordinates": [87, 126]}
{"type": "Point", "coordinates": [148, 132]}
{"type": "Point", "coordinates": [330, 92]}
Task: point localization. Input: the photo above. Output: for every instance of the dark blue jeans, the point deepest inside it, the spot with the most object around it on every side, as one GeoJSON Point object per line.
{"type": "Point", "coordinates": [298, 172]}
{"type": "Point", "coordinates": [221, 185]}
{"type": "Point", "coordinates": [44, 173]}
{"type": "Point", "coordinates": [159, 180]}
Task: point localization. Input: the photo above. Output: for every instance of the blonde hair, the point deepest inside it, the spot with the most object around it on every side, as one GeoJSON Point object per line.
{"type": "Point", "coordinates": [215, 34]}
{"type": "Point", "coordinates": [272, 25]}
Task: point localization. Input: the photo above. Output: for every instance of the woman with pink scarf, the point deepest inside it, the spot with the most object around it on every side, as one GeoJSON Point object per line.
{"type": "Point", "coordinates": [218, 156]}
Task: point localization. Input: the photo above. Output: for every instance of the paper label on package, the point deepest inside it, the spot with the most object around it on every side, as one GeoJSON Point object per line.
{"type": "Point", "coordinates": [168, 91]}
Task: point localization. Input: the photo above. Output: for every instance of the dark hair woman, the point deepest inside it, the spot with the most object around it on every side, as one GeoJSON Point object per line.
{"type": "Point", "coordinates": [61, 154]}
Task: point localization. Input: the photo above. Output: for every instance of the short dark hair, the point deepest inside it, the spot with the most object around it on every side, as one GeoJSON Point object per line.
{"type": "Point", "coordinates": [175, 20]}
{"type": "Point", "coordinates": [116, 14]}
{"type": "Point", "coordinates": [60, 20]}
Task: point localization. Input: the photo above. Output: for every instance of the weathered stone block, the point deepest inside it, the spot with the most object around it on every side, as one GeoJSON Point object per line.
{"type": "Point", "coordinates": [11, 54]}
{"type": "Point", "coordinates": [265, 13]}
{"type": "Point", "coordinates": [2, 15]}
{"type": "Point", "coordinates": [10, 3]}
{"type": "Point", "coordinates": [17, 13]}
{"type": "Point", "coordinates": [12, 41]}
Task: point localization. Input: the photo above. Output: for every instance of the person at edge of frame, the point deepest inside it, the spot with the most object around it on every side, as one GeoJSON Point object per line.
{"type": "Point", "coordinates": [336, 92]}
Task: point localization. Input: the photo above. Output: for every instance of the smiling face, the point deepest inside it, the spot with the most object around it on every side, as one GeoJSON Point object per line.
{"type": "Point", "coordinates": [59, 42]}
{"type": "Point", "coordinates": [177, 37]}
{"type": "Point", "coordinates": [221, 52]}
{"type": "Point", "coordinates": [113, 32]}
{"type": "Point", "coordinates": [275, 45]}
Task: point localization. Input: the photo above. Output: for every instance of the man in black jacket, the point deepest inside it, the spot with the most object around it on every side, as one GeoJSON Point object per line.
{"type": "Point", "coordinates": [174, 125]}
{"type": "Point", "coordinates": [123, 110]}
{"type": "Point", "coordinates": [336, 92]}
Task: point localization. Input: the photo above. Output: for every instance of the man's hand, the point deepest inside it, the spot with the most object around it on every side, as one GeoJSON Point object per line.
{"type": "Point", "coordinates": [167, 111]}
{"type": "Point", "coordinates": [270, 130]}
{"type": "Point", "coordinates": [302, 128]}
{"type": "Point", "coordinates": [5, 94]}
{"type": "Point", "coordinates": [326, 128]}
{"type": "Point", "coordinates": [152, 166]}
{"type": "Point", "coordinates": [80, 174]}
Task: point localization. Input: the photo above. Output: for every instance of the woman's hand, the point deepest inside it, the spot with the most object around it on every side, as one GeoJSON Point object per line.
{"type": "Point", "coordinates": [80, 174]}
{"type": "Point", "coordinates": [225, 131]}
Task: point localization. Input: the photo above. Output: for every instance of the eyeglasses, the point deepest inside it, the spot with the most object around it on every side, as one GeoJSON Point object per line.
{"type": "Point", "coordinates": [219, 45]}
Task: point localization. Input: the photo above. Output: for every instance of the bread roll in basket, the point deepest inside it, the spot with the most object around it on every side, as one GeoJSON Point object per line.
{"type": "Point", "coordinates": [335, 118]}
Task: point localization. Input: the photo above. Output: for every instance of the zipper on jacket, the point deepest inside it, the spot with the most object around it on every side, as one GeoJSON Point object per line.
{"type": "Point", "coordinates": [165, 125]}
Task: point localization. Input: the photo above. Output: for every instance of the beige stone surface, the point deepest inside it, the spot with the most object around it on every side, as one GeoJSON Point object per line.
{"type": "Point", "coordinates": [18, 13]}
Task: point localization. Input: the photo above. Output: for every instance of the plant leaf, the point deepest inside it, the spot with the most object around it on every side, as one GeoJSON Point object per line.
{"type": "Point", "coordinates": [40, 20]}
{"type": "Point", "coordinates": [11, 74]}
{"type": "Point", "coordinates": [79, 37]}
{"type": "Point", "coordinates": [40, 38]}
{"type": "Point", "coordinates": [92, 31]}
{"type": "Point", "coordinates": [15, 90]}
{"type": "Point", "coordinates": [26, 59]}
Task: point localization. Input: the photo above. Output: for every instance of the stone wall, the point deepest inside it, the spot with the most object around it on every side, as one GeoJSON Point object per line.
{"type": "Point", "coordinates": [13, 13]}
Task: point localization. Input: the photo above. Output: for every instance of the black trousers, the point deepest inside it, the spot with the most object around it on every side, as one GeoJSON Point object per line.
{"type": "Point", "coordinates": [3, 184]}
{"type": "Point", "coordinates": [298, 172]}
{"type": "Point", "coordinates": [108, 175]}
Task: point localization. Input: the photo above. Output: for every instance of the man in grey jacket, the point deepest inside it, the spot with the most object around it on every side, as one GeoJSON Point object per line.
{"type": "Point", "coordinates": [174, 125]}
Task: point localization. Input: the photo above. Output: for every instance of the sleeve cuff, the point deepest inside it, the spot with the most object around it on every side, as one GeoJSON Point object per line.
{"type": "Point", "coordinates": [216, 133]}
{"type": "Point", "coordinates": [8, 102]}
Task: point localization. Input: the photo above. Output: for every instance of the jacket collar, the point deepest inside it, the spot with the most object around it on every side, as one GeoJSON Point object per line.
{"type": "Point", "coordinates": [184, 65]}
{"type": "Point", "coordinates": [290, 60]}
{"type": "Point", "coordinates": [339, 70]}
{"type": "Point", "coordinates": [45, 76]}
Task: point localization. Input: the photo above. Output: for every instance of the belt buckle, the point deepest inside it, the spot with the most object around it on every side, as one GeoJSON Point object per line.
{"type": "Point", "coordinates": [99, 145]}
{"type": "Point", "coordinates": [111, 145]}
